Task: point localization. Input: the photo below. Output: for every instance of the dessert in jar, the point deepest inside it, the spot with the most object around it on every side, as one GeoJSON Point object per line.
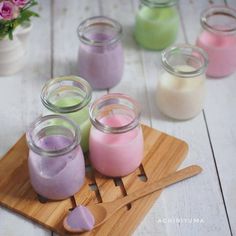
{"type": "Point", "coordinates": [181, 87]}
{"type": "Point", "coordinates": [116, 138]}
{"type": "Point", "coordinates": [70, 96]}
{"type": "Point", "coordinates": [56, 161]}
{"type": "Point", "coordinates": [218, 39]}
{"type": "Point", "coordinates": [101, 58]}
{"type": "Point", "coordinates": [156, 24]}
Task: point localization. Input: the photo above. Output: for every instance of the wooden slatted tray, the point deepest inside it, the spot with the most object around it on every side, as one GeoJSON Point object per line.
{"type": "Point", "coordinates": [163, 155]}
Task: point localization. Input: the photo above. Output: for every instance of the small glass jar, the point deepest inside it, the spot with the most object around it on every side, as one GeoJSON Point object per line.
{"type": "Point", "coordinates": [218, 39]}
{"type": "Point", "coordinates": [156, 24]}
{"type": "Point", "coordinates": [56, 161]}
{"type": "Point", "coordinates": [70, 96]}
{"type": "Point", "coordinates": [181, 87]}
{"type": "Point", "coordinates": [116, 138]}
{"type": "Point", "coordinates": [101, 58]}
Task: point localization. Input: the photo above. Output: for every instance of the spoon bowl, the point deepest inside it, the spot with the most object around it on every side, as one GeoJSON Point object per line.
{"type": "Point", "coordinates": [99, 212]}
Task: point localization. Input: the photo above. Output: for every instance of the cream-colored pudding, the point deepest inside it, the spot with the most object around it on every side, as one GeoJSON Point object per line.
{"type": "Point", "coordinates": [178, 97]}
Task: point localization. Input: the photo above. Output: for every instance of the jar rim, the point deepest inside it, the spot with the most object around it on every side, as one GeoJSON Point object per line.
{"type": "Point", "coordinates": [184, 48]}
{"type": "Point", "coordinates": [115, 129]}
{"type": "Point", "coordinates": [96, 21]}
{"type": "Point", "coordinates": [218, 10]}
{"type": "Point", "coordinates": [52, 153]}
{"type": "Point", "coordinates": [163, 3]}
{"type": "Point", "coordinates": [64, 79]}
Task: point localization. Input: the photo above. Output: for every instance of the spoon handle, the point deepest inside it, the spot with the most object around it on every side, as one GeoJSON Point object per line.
{"type": "Point", "coordinates": [157, 185]}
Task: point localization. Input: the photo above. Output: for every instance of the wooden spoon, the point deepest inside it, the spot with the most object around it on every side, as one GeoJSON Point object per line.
{"type": "Point", "coordinates": [103, 211]}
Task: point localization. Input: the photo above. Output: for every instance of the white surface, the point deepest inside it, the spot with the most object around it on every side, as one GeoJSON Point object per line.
{"type": "Point", "coordinates": [197, 199]}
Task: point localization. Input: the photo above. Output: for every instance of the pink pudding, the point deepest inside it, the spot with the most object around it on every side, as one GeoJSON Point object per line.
{"type": "Point", "coordinates": [101, 66]}
{"type": "Point", "coordinates": [221, 50]}
{"type": "Point", "coordinates": [56, 177]}
{"type": "Point", "coordinates": [116, 154]}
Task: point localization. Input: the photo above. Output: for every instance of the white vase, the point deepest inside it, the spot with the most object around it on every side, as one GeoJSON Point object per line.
{"type": "Point", "coordinates": [13, 52]}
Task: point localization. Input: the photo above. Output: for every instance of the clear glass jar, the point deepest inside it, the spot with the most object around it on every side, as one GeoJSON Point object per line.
{"type": "Point", "coordinates": [56, 161]}
{"type": "Point", "coordinates": [116, 138]}
{"type": "Point", "coordinates": [101, 58]}
{"type": "Point", "coordinates": [218, 39]}
{"type": "Point", "coordinates": [70, 96]}
{"type": "Point", "coordinates": [181, 87]}
{"type": "Point", "coordinates": [156, 24]}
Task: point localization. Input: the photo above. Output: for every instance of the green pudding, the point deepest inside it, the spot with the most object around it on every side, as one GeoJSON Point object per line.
{"type": "Point", "coordinates": [80, 117]}
{"type": "Point", "coordinates": [156, 28]}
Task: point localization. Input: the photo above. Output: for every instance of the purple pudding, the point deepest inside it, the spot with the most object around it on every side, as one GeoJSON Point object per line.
{"type": "Point", "coordinates": [56, 177]}
{"type": "Point", "coordinates": [79, 220]}
{"type": "Point", "coordinates": [101, 58]}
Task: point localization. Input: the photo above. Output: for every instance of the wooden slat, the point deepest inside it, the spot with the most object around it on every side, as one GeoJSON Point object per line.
{"type": "Point", "coordinates": [141, 75]}
{"type": "Point", "coordinates": [20, 105]}
{"type": "Point", "coordinates": [67, 18]}
{"type": "Point", "coordinates": [133, 82]}
{"type": "Point", "coordinates": [201, 200]}
{"type": "Point", "coordinates": [220, 114]}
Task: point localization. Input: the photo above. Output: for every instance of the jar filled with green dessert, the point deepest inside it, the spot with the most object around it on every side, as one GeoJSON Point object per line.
{"type": "Point", "coordinates": [157, 23]}
{"type": "Point", "coordinates": [69, 96]}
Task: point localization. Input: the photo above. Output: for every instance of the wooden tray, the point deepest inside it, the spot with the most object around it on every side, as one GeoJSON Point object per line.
{"type": "Point", "coordinates": [163, 155]}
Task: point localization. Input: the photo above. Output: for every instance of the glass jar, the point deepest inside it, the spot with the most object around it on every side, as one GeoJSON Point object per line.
{"type": "Point", "coordinates": [156, 24]}
{"type": "Point", "coordinates": [70, 96]}
{"type": "Point", "coordinates": [116, 138]}
{"type": "Point", "coordinates": [181, 87]}
{"type": "Point", "coordinates": [56, 161]}
{"type": "Point", "coordinates": [101, 58]}
{"type": "Point", "coordinates": [218, 39]}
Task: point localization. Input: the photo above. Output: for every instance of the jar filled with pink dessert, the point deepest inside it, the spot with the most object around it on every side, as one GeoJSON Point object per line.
{"type": "Point", "coordinates": [116, 139]}
{"type": "Point", "coordinates": [218, 39]}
